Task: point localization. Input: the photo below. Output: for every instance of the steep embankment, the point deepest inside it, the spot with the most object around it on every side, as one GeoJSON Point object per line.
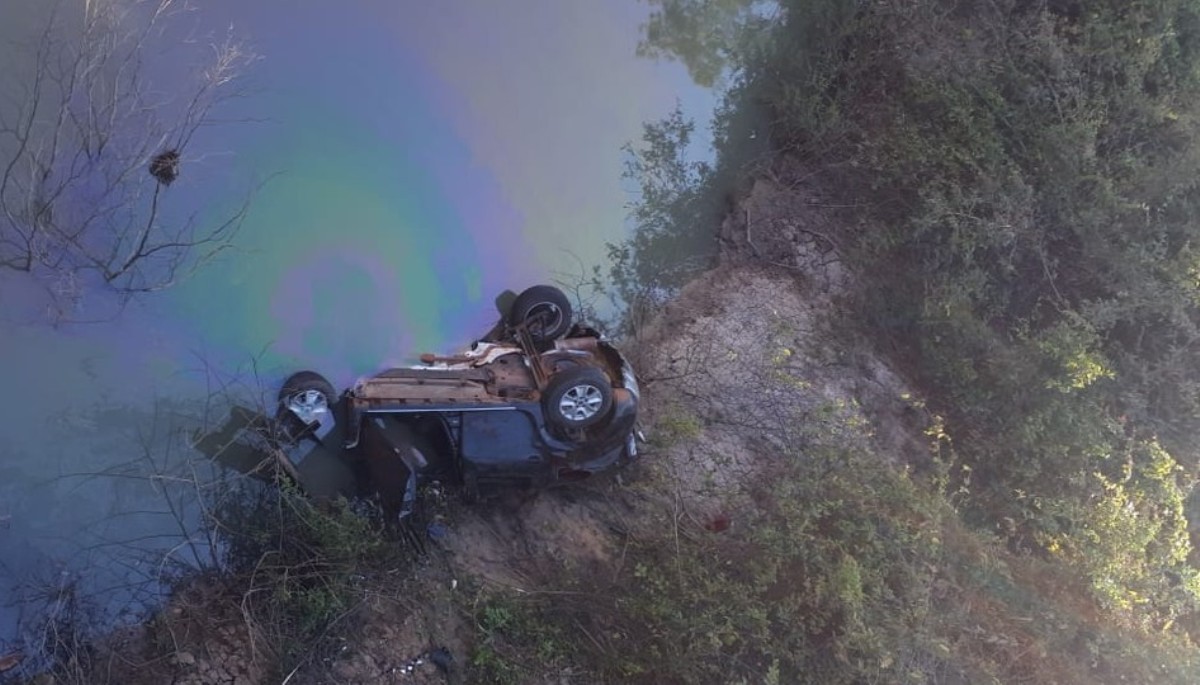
{"type": "Point", "coordinates": [787, 522]}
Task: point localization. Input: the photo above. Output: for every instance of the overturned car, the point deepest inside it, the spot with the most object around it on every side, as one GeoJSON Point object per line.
{"type": "Point", "coordinates": [536, 401]}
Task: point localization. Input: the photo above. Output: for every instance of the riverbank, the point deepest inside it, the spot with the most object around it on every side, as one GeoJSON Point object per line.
{"type": "Point", "coordinates": [789, 521]}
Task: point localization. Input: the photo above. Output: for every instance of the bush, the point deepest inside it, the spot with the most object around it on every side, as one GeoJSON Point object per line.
{"type": "Point", "coordinates": [1023, 176]}
{"type": "Point", "coordinates": [1019, 198]}
{"type": "Point", "coordinates": [300, 566]}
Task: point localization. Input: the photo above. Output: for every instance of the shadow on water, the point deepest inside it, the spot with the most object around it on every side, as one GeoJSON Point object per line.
{"type": "Point", "coordinates": [104, 501]}
{"type": "Point", "coordinates": [145, 522]}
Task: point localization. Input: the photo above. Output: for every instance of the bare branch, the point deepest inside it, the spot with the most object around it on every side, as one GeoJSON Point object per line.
{"type": "Point", "coordinates": [80, 204]}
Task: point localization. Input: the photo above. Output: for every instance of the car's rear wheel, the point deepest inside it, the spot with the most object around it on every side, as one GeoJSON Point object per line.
{"type": "Point", "coordinates": [577, 398]}
{"type": "Point", "coordinates": [307, 395]}
{"type": "Point", "coordinates": [545, 312]}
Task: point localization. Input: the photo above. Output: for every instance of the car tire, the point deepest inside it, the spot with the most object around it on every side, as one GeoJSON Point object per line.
{"type": "Point", "coordinates": [305, 395]}
{"type": "Point", "coordinates": [544, 310]}
{"type": "Point", "coordinates": [577, 398]}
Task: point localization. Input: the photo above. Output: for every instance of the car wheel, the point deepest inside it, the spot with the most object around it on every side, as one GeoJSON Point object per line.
{"type": "Point", "coordinates": [306, 395]}
{"type": "Point", "coordinates": [544, 310]}
{"type": "Point", "coordinates": [577, 398]}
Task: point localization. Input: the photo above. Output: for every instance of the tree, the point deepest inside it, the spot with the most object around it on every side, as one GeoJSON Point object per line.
{"type": "Point", "coordinates": [705, 35]}
{"type": "Point", "coordinates": [674, 217]}
{"type": "Point", "coordinates": [93, 133]}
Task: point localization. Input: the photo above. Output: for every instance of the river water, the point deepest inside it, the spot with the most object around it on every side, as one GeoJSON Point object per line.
{"type": "Point", "coordinates": [422, 157]}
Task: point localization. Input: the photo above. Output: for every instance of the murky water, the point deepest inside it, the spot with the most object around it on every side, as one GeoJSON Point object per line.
{"type": "Point", "coordinates": [428, 159]}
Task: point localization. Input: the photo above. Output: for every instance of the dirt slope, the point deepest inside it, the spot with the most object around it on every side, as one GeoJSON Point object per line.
{"type": "Point", "coordinates": [746, 344]}
{"type": "Point", "coordinates": [753, 344]}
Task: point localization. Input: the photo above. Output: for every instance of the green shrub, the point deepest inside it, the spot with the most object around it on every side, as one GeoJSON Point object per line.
{"type": "Point", "coordinates": [1025, 178]}
{"type": "Point", "coordinates": [516, 640]}
{"type": "Point", "coordinates": [300, 564]}
{"type": "Point", "coordinates": [1018, 192]}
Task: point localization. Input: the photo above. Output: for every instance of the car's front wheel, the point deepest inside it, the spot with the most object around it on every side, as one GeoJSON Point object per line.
{"type": "Point", "coordinates": [577, 398]}
{"type": "Point", "coordinates": [307, 395]}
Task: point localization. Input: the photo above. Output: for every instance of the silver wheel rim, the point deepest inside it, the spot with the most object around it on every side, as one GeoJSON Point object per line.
{"type": "Point", "coordinates": [581, 403]}
{"type": "Point", "coordinates": [308, 405]}
{"type": "Point", "coordinates": [544, 317]}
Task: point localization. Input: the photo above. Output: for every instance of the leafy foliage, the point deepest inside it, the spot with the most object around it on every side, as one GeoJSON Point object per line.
{"type": "Point", "coordinates": [515, 641]}
{"type": "Point", "coordinates": [1019, 194]}
{"type": "Point", "coordinates": [300, 564]}
{"type": "Point", "coordinates": [708, 36]}
{"type": "Point", "coordinates": [674, 207]}
{"type": "Point", "coordinates": [823, 575]}
{"type": "Point", "coordinates": [845, 571]}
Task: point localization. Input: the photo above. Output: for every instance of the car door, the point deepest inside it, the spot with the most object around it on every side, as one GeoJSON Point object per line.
{"type": "Point", "coordinates": [388, 444]}
{"type": "Point", "coordinates": [502, 445]}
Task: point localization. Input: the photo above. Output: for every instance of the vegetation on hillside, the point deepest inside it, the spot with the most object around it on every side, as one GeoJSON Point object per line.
{"type": "Point", "coordinates": [1016, 189]}
{"type": "Point", "coordinates": [264, 581]}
